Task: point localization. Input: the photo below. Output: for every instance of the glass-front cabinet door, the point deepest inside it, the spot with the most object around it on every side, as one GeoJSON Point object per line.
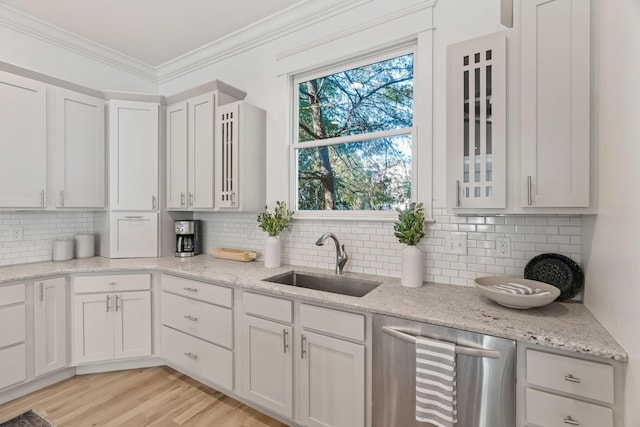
{"type": "Point", "coordinates": [476, 123]}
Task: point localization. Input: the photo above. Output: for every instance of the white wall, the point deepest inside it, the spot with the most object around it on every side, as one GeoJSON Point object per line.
{"type": "Point", "coordinates": [613, 256]}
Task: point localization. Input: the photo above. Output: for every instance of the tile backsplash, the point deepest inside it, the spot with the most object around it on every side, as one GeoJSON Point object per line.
{"type": "Point", "coordinates": [373, 249]}
{"type": "Point", "coordinates": [371, 246]}
{"type": "Point", "coordinates": [39, 229]}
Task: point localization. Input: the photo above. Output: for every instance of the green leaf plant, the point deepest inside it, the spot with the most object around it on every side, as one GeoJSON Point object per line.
{"type": "Point", "coordinates": [274, 223]}
{"type": "Point", "coordinates": [409, 228]}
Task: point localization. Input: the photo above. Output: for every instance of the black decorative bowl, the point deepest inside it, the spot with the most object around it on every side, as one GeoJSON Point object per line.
{"type": "Point", "coordinates": [557, 270]}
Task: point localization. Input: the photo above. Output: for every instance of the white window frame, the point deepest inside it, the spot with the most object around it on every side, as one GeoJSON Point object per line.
{"type": "Point", "coordinates": [371, 58]}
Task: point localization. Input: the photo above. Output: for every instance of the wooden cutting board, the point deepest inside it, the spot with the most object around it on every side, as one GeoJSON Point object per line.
{"type": "Point", "coordinates": [233, 254]}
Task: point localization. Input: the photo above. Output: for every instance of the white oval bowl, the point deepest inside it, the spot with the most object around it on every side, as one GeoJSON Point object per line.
{"type": "Point", "coordinates": [517, 301]}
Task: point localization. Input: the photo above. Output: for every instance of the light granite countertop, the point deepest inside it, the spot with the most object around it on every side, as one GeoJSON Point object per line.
{"type": "Point", "coordinates": [568, 326]}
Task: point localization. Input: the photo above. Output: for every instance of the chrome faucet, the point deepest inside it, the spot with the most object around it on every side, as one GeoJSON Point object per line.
{"type": "Point", "coordinates": [341, 255]}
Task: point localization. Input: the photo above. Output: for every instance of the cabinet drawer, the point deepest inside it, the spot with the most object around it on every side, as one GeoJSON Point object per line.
{"type": "Point", "coordinates": [111, 283]}
{"type": "Point", "coordinates": [13, 365]}
{"type": "Point", "coordinates": [268, 307]}
{"type": "Point", "coordinates": [206, 292]}
{"type": "Point", "coordinates": [14, 316]}
{"type": "Point", "coordinates": [341, 323]}
{"type": "Point", "coordinates": [566, 374]}
{"type": "Point", "coordinates": [206, 321]}
{"type": "Point", "coordinates": [550, 410]}
{"type": "Point", "coordinates": [198, 357]}
{"type": "Point", "coordinates": [11, 294]}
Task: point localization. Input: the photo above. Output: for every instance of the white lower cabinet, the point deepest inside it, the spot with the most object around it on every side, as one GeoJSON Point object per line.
{"type": "Point", "coordinates": [110, 325]}
{"type": "Point", "coordinates": [267, 360]}
{"type": "Point", "coordinates": [558, 389]}
{"type": "Point", "coordinates": [13, 355]}
{"type": "Point", "coordinates": [330, 347]}
{"type": "Point", "coordinates": [197, 329]}
{"type": "Point", "coordinates": [50, 325]}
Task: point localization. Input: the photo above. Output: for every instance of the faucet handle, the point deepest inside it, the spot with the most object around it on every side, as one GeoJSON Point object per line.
{"type": "Point", "coordinates": [342, 259]}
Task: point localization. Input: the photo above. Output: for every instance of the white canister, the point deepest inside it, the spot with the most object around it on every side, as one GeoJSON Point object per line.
{"type": "Point", "coordinates": [85, 245]}
{"type": "Point", "coordinates": [62, 249]}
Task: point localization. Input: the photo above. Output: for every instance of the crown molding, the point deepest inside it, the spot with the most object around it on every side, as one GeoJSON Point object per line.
{"type": "Point", "coordinates": [51, 34]}
{"type": "Point", "coordinates": [276, 26]}
{"type": "Point", "coordinates": [359, 28]}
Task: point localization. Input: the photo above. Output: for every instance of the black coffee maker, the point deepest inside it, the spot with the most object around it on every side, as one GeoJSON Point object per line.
{"type": "Point", "coordinates": [188, 239]}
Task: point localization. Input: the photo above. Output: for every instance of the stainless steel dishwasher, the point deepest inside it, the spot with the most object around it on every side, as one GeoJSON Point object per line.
{"type": "Point", "coordinates": [485, 374]}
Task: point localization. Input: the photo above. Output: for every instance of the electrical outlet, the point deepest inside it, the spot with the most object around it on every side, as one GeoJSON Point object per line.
{"type": "Point", "coordinates": [456, 244]}
{"type": "Point", "coordinates": [503, 247]}
{"type": "Point", "coordinates": [16, 233]}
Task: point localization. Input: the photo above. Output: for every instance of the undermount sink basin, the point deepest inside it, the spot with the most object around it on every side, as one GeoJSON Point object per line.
{"type": "Point", "coordinates": [334, 284]}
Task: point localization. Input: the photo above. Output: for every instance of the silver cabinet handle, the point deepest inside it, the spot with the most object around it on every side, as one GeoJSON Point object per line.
{"type": "Point", "coordinates": [457, 194]}
{"type": "Point", "coordinates": [182, 200]}
{"type": "Point", "coordinates": [190, 289]}
{"type": "Point", "coordinates": [41, 291]}
{"type": "Point", "coordinates": [192, 318]}
{"type": "Point", "coordinates": [529, 200]}
{"type": "Point", "coordinates": [191, 356]}
{"type": "Point", "coordinates": [62, 198]}
{"type": "Point", "coordinates": [233, 198]}
{"type": "Point", "coordinates": [118, 298]}
{"type": "Point", "coordinates": [42, 198]}
{"type": "Point", "coordinates": [108, 302]}
{"type": "Point", "coordinates": [571, 421]}
{"type": "Point", "coordinates": [572, 379]}
{"type": "Point", "coordinates": [285, 340]}
{"type": "Point", "coordinates": [112, 283]}
{"type": "Point", "coordinates": [303, 351]}
{"type": "Point", "coordinates": [460, 349]}
{"type": "Point", "coordinates": [190, 199]}
{"type": "Point", "coordinates": [153, 202]}
{"type": "Point", "coordinates": [133, 217]}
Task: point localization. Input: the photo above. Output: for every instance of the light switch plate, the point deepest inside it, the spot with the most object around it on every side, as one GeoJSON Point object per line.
{"type": "Point", "coordinates": [456, 244]}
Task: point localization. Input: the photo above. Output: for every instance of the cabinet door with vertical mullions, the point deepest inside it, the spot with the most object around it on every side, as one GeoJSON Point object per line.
{"type": "Point", "coordinates": [476, 123]}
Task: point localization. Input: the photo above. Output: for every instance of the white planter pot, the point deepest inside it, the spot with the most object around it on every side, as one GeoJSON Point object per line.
{"type": "Point", "coordinates": [412, 267]}
{"type": "Point", "coordinates": [272, 252]}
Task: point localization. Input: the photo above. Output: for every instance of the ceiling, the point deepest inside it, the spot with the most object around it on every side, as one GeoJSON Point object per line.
{"type": "Point", "coordinates": [151, 31]}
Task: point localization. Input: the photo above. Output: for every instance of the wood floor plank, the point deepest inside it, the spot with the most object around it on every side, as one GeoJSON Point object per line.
{"type": "Point", "coordinates": [158, 396]}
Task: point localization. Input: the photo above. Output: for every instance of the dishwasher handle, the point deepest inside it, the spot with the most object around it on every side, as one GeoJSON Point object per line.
{"type": "Point", "coordinates": [460, 349]}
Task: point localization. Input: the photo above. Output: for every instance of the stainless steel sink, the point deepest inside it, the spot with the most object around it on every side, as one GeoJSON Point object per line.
{"type": "Point", "coordinates": [334, 284]}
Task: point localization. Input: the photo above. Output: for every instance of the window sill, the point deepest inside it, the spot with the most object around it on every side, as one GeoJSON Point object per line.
{"type": "Point", "coordinates": [374, 216]}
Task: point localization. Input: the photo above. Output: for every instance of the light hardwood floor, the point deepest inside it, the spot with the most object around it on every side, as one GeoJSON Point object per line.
{"type": "Point", "coordinates": [156, 396]}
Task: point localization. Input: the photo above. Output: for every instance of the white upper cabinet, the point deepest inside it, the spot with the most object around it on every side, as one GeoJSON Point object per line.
{"type": "Point", "coordinates": [240, 168]}
{"type": "Point", "coordinates": [476, 123]}
{"type": "Point", "coordinates": [190, 146]}
{"type": "Point", "coordinates": [555, 152]}
{"type": "Point", "coordinates": [133, 142]}
{"type": "Point", "coordinates": [201, 118]}
{"type": "Point", "coordinates": [78, 151]}
{"type": "Point", "coordinates": [177, 153]}
{"type": "Point", "coordinates": [23, 136]}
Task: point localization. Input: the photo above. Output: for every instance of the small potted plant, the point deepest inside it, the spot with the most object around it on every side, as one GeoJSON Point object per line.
{"type": "Point", "coordinates": [274, 223]}
{"type": "Point", "coordinates": [409, 229]}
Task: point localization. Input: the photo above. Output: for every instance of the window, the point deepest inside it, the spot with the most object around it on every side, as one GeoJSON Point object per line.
{"type": "Point", "coordinates": [353, 147]}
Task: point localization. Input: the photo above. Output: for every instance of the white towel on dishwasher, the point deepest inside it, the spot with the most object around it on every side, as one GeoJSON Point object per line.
{"type": "Point", "coordinates": [436, 382]}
